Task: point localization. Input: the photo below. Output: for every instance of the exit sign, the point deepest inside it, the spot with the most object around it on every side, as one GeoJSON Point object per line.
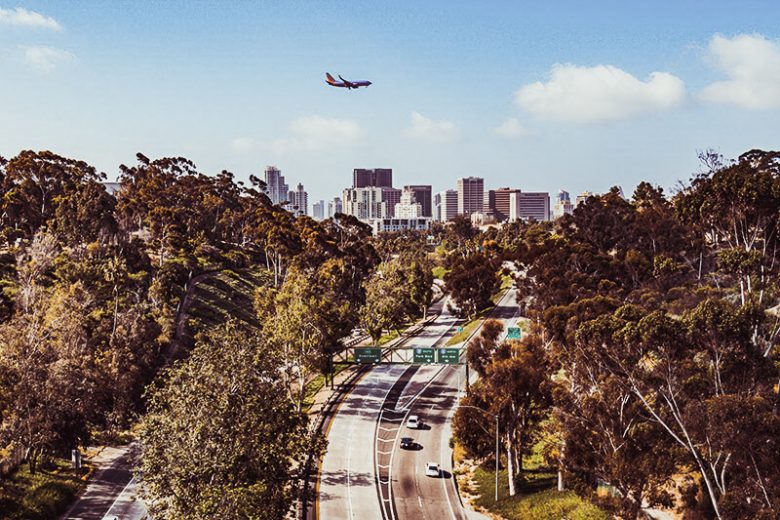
{"type": "Point", "coordinates": [424, 355]}
{"type": "Point", "coordinates": [368, 355]}
{"type": "Point", "coordinates": [514, 333]}
{"type": "Point", "coordinates": [449, 356]}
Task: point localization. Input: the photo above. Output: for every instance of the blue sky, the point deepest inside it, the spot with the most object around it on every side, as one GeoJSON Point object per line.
{"type": "Point", "coordinates": [572, 95]}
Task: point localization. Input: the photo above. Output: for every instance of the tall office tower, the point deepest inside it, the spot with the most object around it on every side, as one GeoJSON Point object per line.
{"type": "Point", "coordinates": [502, 203]}
{"type": "Point", "coordinates": [365, 203]}
{"type": "Point", "coordinates": [489, 204]}
{"type": "Point", "coordinates": [390, 197]}
{"type": "Point", "coordinates": [365, 178]}
{"type": "Point", "coordinates": [470, 190]}
{"type": "Point", "coordinates": [422, 193]}
{"type": "Point", "coordinates": [582, 197]}
{"type": "Point", "coordinates": [334, 206]}
{"type": "Point", "coordinates": [299, 201]}
{"type": "Point", "coordinates": [408, 207]}
{"type": "Point", "coordinates": [563, 205]}
{"type": "Point", "coordinates": [318, 210]}
{"type": "Point", "coordinates": [529, 205]}
{"type": "Point", "coordinates": [446, 205]}
{"type": "Point", "coordinates": [275, 187]}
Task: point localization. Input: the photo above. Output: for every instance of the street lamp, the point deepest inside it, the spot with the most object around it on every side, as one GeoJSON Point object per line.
{"type": "Point", "coordinates": [496, 416]}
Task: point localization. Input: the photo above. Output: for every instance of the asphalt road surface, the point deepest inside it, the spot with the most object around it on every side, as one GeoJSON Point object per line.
{"type": "Point", "coordinates": [415, 495]}
{"type": "Point", "coordinates": [353, 470]}
{"type": "Point", "coordinates": [111, 491]}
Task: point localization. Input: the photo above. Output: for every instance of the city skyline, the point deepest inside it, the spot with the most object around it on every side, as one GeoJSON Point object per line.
{"type": "Point", "coordinates": [546, 97]}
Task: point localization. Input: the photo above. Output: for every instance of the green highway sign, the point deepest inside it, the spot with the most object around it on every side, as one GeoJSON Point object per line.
{"type": "Point", "coordinates": [368, 355]}
{"type": "Point", "coordinates": [423, 355]}
{"type": "Point", "coordinates": [459, 329]}
{"type": "Point", "coordinates": [513, 333]}
{"type": "Point", "coordinates": [449, 356]}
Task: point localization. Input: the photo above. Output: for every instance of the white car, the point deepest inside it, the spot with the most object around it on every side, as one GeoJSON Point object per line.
{"type": "Point", "coordinates": [414, 422]}
{"type": "Point", "coordinates": [432, 469]}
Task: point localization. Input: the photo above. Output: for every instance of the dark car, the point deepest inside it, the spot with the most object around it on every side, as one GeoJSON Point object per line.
{"type": "Point", "coordinates": [407, 443]}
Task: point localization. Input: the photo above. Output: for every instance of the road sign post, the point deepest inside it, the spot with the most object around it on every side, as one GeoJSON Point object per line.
{"type": "Point", "coordinates": [423, 356]}
{"type": "Point", "coordinates": [368, 355]}
{"type": "Point", "coordinates": [449, 356]}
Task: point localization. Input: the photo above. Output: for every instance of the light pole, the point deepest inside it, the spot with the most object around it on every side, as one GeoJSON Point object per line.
{"type": "Point", "coordinates": [496, 416]}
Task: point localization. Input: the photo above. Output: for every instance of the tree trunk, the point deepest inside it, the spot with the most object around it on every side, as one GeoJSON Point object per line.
{"type": "Point", "coordinates": [510, 469]}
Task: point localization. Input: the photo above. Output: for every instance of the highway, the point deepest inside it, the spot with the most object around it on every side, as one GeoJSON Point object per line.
{"type": "Point", "coordinates": [415, 495]}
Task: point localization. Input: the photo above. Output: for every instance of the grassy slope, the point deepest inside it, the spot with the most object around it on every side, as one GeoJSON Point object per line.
{"type": "Point", "coordinates": [45, 495]}
{"type": "Point", "coordinates": [227, 294]}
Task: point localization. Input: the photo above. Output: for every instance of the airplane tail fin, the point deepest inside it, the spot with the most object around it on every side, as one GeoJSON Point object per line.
{"type": "Point", "coordinates": [329, 78]}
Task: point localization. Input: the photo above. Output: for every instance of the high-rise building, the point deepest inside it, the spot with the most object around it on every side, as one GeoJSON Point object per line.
{"type": "Point", "coordinates": [408, 207]}
{"type": "Point", "coordinates": [470, 193]}
{"type": "Point", "coordinates": [446, 205]}
{"type": "Point", "coordinates": [489, 203]}
{"type": "Point", "coordinates": [365, 203]}
{"type": "Point", "coordinates": [503, 203]}
{"type": "Point", "coordinates": [334, 206]}
{"type": "Point", "coordinates": [275, 187]}
{"type": "Point", "coordinates": [582, 197]}
{"type": "Point", "coordinates": [422, 193]}
{"type": "Point", "coordinates": [390, 197]}
{"type": "Point", "coordinates": [365, 178]}
{"type": "Point", "coordinates": [318, 210]}
{"type": "Point", "coordinates": [529, 205]}
{"type": "Point", "coordinates": [563, 205]}
{"type": "Point", "coordinates": [299, 201]}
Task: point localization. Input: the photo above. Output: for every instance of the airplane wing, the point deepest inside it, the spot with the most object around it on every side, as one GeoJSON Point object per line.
{"type": "Point", "coordinates": [349, 84]}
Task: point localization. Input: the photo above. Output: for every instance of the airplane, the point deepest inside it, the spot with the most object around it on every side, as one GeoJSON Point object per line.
{"type": "Point", "coordinates": [344, 83]}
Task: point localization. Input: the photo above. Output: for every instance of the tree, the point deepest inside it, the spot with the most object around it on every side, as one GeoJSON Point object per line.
{"type": "Point", "coordinates": [472, 282]}
{"type": "Point", "coordinates": [221, 438]}
{"type": "Point", "coordinates": [386, 301]}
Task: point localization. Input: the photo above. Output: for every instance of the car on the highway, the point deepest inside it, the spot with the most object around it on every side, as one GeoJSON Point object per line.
{"type": "Point", "coordinates": [407, 443]}
{"type": "Point", "coordinates": [414, 422]}
{"type": "Point", "coordinates": [432, 469]}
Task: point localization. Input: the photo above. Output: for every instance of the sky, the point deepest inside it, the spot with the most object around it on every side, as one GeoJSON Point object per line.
{"type": "Point", "coordinates": [537, 96]}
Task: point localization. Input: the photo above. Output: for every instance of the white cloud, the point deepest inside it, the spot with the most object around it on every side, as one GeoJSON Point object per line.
{"type": "Point", "coordinates": [21, 17]}
{"type": "Point", "coordinates": [43, 58]}
{"type": "Point", "coordinates": [430, 130]}
{"type": "Point", "coordinates": [512, 129]}
{"type": "Point", "coordinates": [600, 93]}
{"type": "Point", "coordinates": [242, 144]}
{"type": "Point", "coordinates": [315, 133]}
{"type": "Point", "coordinates": [752, 64]}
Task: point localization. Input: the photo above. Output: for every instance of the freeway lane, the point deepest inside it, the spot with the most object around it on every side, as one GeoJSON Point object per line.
{"type": "Point", "coordinates": [419, 497]}
{"type": "Point", "coordinates": [347, 477]}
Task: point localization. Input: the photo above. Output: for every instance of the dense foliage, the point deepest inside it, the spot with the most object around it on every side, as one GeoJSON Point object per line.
{"type": "Point", "coordinates": [658, 321]}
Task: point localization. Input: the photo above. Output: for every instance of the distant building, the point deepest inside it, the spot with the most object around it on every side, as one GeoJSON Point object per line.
{"type": "Point", "coordinates": [299, 201]}
{"type": "Point", "coordinates": [365, 203]}
{"type": "Point", "coordinates": [529, 205]}
{"type": "Point", "coordinates": [334, 206]}
{"type": "Point", "coordinates": [385, 225]}
{"type": "Point", "coordinates": [390, 197]}
{"type": "Point", "coordinates": [500, 203]}
{"type": "Point", "coordinates": [470, 195]}
{"type": "Point", "coordinates": [563, 205]}
{"type": "Point", "coordinates": [112, 187]}
{"type": "Point", "coordinates": [446, 205]}
{"type": "Point", "coordinates": [489, 203]}
{"type": "Point", "coordinates": [582, 197]}
{"type": "Point", "coordinates": [365, 178]}
{"type": "Point", "coordinates": [318, 210]}
{"type": "Point", "coordinates": [275, 187]}
{"type": "Point", "coordinates": [408, 207]}
{"type": "Point", "coordinates": [422, 194]}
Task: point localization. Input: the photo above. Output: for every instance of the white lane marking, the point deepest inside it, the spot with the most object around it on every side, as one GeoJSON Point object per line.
{"type": "Point", "coordinates": [445, 442]}
{"type": "Point", "coordinates": [120, 495]}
